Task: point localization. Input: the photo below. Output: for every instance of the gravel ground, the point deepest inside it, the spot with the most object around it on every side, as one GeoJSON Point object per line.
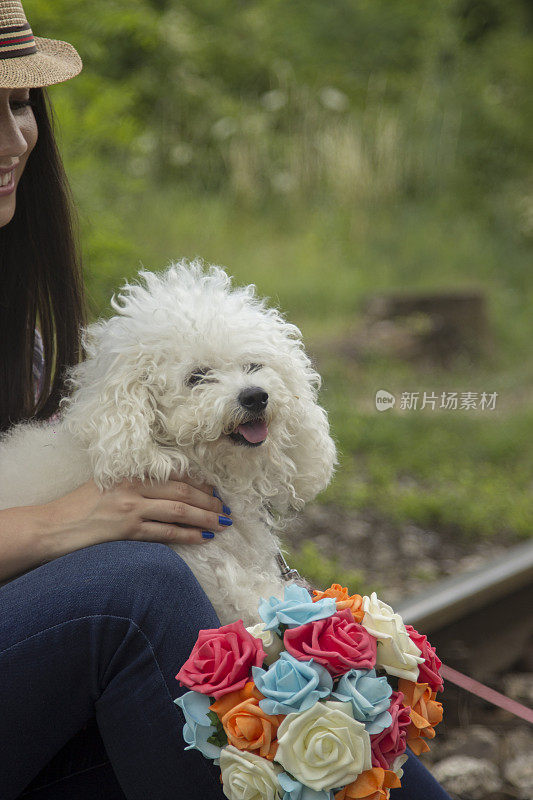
{"type": "Point", "coordinates": [396, 561]}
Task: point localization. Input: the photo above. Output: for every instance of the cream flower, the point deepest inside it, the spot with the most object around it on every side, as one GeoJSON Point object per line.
{"type": "Point", "coordinates": [398, 764]}
{"type": "Point", "coordinates": [272, 644]}
{"type": "Point", "coordinates": [324, 747]}
{"type": "Point", "coordinates": [246, 776]}
{"type": "Point", "coordinates": [397, 654]}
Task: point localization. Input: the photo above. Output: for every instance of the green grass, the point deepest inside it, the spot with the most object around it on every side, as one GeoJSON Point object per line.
{"type": "Point", "coordinates": [322, 571]}
{"type": "Point", "coordinates": [469, 476]}
{"type": "Point", "coordinates": [318, 261]}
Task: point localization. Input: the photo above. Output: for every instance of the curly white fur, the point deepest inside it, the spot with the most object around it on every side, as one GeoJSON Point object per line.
{"type": "Point", "coordinates": [131, 413]}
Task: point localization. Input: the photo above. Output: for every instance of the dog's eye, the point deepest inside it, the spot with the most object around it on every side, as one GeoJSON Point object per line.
{"type": "Point", "coordinates": [197, 375]}
{"type": "Point", "coordinates": [253, 367]}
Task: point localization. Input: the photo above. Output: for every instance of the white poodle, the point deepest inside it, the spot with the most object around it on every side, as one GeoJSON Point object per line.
{"type": "Point", "coordinates": [190, 374]}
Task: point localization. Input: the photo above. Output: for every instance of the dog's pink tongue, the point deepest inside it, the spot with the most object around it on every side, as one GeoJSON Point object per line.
{"type": "Point", "coordinates": [253, 432]}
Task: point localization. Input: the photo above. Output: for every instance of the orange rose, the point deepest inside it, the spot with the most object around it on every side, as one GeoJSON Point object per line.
{"type": "Point", "coordinates": [247, 726]}
{"type": "Point", "coordinates": [372, 784]}
{"type": "Point", "coordinates": [343, 600]}
{"type": "Point", "coordinates": [425, 712]}
{"type": "Point", "coordinates": [232, 699]}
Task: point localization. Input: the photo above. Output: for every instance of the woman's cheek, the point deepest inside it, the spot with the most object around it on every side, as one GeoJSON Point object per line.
{"type": "Point", "coordinates": [30, 132]}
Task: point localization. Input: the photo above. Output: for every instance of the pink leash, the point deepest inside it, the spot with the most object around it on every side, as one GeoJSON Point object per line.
{"type": "Point", "coordinates": [490, 695]}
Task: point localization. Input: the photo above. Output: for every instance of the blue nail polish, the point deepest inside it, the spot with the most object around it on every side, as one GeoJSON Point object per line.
{"type": "Point", "coordinates": [225, 509]}
{"type": "Point", "coordinates": [208, 535]}
{"type": "Point", "coordinates": [225, 521]}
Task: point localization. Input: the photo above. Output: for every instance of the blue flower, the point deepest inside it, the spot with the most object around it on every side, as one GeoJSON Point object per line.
{"type": "Point", "coordinates": [294, 790]}
{"type": "Point", "coordinates": [290, 685]}
{"type": "Point", "coordinates": [369, 696]}
{"type": "Point", "coordinates": [197, 728]}
{"type": "Point", "coordinates": [295, 609]}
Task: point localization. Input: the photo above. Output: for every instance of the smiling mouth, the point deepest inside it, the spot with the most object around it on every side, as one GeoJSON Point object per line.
{"type": "Point", "coordinates": [251, 433]}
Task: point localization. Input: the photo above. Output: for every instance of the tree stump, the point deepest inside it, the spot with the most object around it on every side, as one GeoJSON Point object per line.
{"type": "Point", "coordinates": [435, 326]}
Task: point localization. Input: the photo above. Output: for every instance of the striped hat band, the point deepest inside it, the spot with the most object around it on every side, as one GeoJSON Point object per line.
{"type": "Point", "coordinates": [28, 61]}
{"type": "Point", "coordinates": [17, 40]}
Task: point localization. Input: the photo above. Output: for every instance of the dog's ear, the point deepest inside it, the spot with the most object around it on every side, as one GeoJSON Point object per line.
{"type": "Point", "coordinates": [112, 411]}
{"type": "Point", "coordinates": [314, 455]}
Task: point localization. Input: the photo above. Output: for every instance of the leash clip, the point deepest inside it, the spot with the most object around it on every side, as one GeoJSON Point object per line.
{"type": "Point", "coordinates": [287, 573]}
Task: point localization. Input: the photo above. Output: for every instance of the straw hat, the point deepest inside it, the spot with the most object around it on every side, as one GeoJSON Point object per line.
{"type": "Point", "coordinates": [27, 61]}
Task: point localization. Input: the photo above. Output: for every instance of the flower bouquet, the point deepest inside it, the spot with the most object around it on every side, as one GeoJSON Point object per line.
{"type": "Point", "coordinates": [317, 702]}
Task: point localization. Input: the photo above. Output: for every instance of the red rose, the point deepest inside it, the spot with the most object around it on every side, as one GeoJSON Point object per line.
{"type": "Point", "coordinates": [429, 670]}
{"type": "Point", "coordinates": [391, 743]}
{"type": "Point", "coordinates": [336, 642]}
{"type": "Point", "coordinates": [221, 660]}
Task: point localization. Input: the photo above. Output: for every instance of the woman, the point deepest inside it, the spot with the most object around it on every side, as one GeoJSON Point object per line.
{"type": "Point", "coordinates": [104, 614]}
{"type": "Point", "coordinates": [97, 615]}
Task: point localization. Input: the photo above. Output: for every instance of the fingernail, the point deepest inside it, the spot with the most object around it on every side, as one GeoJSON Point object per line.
{"type": "Point", "coordinates": [208, 535]}
{"type": "Point", "coordinates": [225, 509]}
{"type": "Point", "coordinates": [225, 521]}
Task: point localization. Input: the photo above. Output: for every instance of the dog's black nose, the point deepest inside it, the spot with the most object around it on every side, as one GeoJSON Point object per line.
{"type": "Point", "coordinates": [254, 399]}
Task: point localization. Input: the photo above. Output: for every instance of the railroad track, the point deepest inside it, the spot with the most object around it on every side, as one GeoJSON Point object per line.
{"type": "Point", "coordinates": [480, 622]}
{"type": "Point", "coordinates": [453, 598]}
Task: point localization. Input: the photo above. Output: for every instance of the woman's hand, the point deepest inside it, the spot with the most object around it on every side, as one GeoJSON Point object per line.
{"type": "Point", "coordinates": [177, 511]}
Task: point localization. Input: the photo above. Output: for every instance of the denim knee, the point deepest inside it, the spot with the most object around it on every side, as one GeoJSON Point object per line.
{"type": "Point", "coordinates": [134, 580]}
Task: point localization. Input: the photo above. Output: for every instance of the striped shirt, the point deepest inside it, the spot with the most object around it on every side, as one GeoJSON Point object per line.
{"type": "Point", "coordinates": [38, 371]}
{"type": "Point", "coordinates": [38, 365]}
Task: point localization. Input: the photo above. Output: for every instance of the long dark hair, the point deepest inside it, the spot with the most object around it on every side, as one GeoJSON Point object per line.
{"type": "Point", "coordinates": [40, 279]}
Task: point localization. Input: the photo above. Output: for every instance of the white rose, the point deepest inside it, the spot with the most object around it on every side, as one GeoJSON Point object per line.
{"type": "Point", "coordinates": [246, 776]}
{"type": "Point", "coordinates": [272, 644]}
{"type": "Point", "coordinates": [396, 653]}
{"type": "Point", "coordinates": [324, 747]}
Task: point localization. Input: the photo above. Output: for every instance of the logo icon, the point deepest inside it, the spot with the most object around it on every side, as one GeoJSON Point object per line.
{"type": "Point", "coordinates": [384, 400]}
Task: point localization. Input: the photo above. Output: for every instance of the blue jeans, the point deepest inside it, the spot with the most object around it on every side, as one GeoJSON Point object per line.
{"type": "Point", "coordinates": [89, 647]}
